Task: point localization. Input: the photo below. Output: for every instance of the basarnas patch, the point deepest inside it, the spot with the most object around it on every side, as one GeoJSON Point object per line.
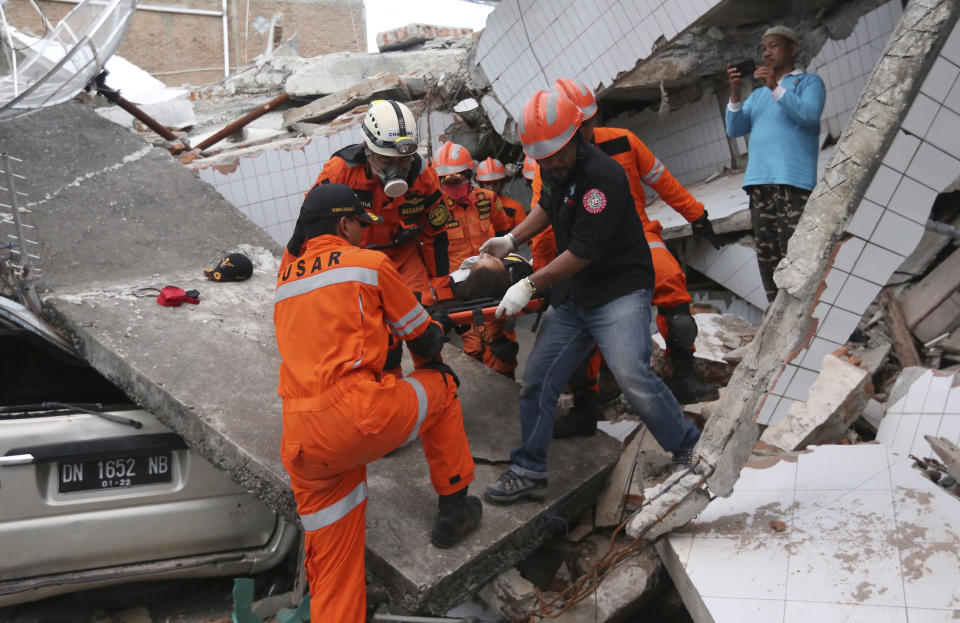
{"type": "Point", "coordinates": [438, 215]}
{"type": "Point", "coordinates": [594, 201]}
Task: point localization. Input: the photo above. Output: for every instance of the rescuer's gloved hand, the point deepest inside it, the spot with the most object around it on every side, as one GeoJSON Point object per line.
{"type": "Point", "coordinates": [499, 246]}
{"type": "Point", "coordinates": [405, 236]}
{"type": "Point", "coordinates": [504, 349]}
{"type": "Point", "coordinates": [516, 298]}
{"type": "Point", "coordinates": [703, 228]}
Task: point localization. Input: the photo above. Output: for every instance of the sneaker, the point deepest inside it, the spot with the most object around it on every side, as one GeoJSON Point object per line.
{"type": "Point", "coordinates": [512, 486]}
{"type": "Point", "coordinates": [452, 525]}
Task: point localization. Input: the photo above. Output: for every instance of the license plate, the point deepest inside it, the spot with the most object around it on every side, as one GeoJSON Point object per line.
{"type": "Point", "coordinates": [114, 473]}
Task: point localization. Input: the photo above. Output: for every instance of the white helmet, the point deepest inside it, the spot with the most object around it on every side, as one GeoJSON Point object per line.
{"type": "Point", "coordinates": [389, 129]}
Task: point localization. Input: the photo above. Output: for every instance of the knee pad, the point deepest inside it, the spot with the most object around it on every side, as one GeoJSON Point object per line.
{"type": "Point", "coordinates": [681, 331]}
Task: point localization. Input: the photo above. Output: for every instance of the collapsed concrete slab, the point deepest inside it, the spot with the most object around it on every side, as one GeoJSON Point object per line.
{"type": "Point", "coordinates": [842, 533]}
{"type": "Point", "coordinates": [114, 216]}
{"type": "Point", "coordinates": [385, 86]}
{"type": "Point", "coordinates": [798, 314]}
{"type": "Point", "coordinates": [412, 34]}
{"type": "Point", "coordinates": [837, 398]}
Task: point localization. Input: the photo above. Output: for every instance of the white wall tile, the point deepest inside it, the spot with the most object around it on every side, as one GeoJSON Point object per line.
{"type": "Point", "coordinates": [882, 186]}
{"type": "Point", "coordinates": [912, 200]}
{"type": "Point", "coordinates": [857, 294]}
{"type": "Point", "coordinates": [951, 48]}
{"type": "Point", "coordinates": [897, 233]}
{"type": "Point", "coordinates": [838, 325]}
{"type": "Point", "coordinates": [865, 219]}
{"type": "Point", "coordinates": [920, 116]}
{"type": "Point", "coordinates": [901, 151]}
{"type": "Point", "coordinates": [945, 131]}
{"type": "Point", "coordinates": [876, 264]}
{"type": "Point", "coordinates": [941, 77]}
{"type": "Point", "coordinates": [933, 167]}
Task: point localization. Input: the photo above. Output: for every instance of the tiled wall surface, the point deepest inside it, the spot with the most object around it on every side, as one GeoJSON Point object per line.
{"type": "Point", "coordinates": [527, 44]}
{"type": "Point", "coordinates": [691, 141]}
{"type": "Point", "coordinates": [268, 185]}
{"type": "Point", "coordinates": [867, 539]}
{"type": "Point", "coordinates": [931, 406]}
{"type": "Point", "coordinates": [845, 65]}
{"type": "Point", "coordinates": [921, 162]}
{"type": "Point", "coordinates": [734, 266]}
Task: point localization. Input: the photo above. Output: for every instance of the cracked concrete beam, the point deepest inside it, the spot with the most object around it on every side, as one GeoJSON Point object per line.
{"type": "Point", "coordinates": [731, 432]}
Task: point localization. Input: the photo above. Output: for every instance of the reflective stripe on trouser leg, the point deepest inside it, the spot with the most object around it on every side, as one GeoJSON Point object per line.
{"type": "Point", "coordinates": [421, 407]}
{"type": "Point", "coordinates": [336, 511]}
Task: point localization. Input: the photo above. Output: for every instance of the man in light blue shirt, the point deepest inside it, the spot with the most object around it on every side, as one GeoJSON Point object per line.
{"type": "Point", "coordinates": [782, 118]}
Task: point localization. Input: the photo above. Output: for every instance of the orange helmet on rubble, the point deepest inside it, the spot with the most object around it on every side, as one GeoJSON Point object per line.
{"type": "Point", "coordinates": [548, 123]}
{"type": "Point", "coordinates": [452, 158]}
{"type": "Point", "coordinates": [579, 94]}
{"type": "Point", "coordinates": [529, 168]}
{"type": "Point", "coordinates": [491, 170]}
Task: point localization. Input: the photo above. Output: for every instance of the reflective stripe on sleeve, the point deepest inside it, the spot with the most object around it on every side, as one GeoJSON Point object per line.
{"type": "Point", "coordinates": [347, 274]}
{"type": "Point", "coordinates": [657, 245]}
{"type": "Point", "coordinates": [421, 407]}
{"type": "Point", "coordinates": [655, 172]}
{"type": "Point", "coordinates": [336, 511]}
{"type": "Point", "coordinates": [415, 311]}
{"type": "Point", "coordinates": [413, 325]}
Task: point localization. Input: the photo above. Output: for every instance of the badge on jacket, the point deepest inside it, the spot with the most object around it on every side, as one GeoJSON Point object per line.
{"type": "Point", "coordinates": [438, 215]}
{"type": "Point", "coordinates": [594, 201]}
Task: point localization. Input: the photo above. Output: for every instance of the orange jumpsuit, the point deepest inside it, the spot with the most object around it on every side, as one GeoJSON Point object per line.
{"type": "Point", "coordinates": [469, 227]}
{"type": "Point", "coordinates": [513, 209]}
{"type": "Point", "coordinates": [670, 284]}
{"type": "Point", "coordinates": [334, 308]}
{"type": "Point", "coordinates": [423, 261]}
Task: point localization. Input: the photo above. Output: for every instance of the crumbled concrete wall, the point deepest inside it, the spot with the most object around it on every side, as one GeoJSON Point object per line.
{"type": "Point", "coordinates": [731, 433]}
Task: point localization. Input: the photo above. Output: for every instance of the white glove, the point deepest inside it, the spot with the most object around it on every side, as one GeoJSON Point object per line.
{"type": "Point", "coordinates": [516, 298]}
{"type": "Point", "coordinates": [499, 246]}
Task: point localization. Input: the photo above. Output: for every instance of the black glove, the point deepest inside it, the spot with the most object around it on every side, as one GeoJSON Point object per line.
{"type": "Point", "coordinates": [703, 228]}
{"type": "Point", "coordinates": [504, 349]}
{"type": "Point", "coordinates": [405, 236]}
{"type": "Point", "coordinates": [442, 368]}
{"type": "Point", "coordinates": [297, 239]}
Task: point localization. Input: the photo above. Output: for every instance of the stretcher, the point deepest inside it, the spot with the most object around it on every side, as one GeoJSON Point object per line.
{"type": "Point", "coordinates": [479, 311]}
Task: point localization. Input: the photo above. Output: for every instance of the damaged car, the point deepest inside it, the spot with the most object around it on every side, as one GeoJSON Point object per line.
{"type": "Point", "coordinates": [95, 491]}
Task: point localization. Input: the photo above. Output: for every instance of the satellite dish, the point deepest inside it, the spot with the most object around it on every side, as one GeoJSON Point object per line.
{"type": "Point", "coordinates": [43, 71]}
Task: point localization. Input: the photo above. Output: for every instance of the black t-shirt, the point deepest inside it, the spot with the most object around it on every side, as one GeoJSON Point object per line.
{"type": "Point", "coordinates": [594, 218]}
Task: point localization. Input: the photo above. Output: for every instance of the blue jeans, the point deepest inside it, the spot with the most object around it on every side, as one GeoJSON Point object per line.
{"type": "Point", "coordinates": [621, 328]}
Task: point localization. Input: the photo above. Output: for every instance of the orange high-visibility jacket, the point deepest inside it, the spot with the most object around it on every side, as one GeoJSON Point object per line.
{"type": "Point", "coordinates": [641, 166]}
{"type": "Point", "coordinates": [472, 224]}
{"type": "Point", "coordinates": [514, 209]}
{"type": "Point", "coordinates": [335, 306]}
{"type": "Point", "coordinates": [422, 206]}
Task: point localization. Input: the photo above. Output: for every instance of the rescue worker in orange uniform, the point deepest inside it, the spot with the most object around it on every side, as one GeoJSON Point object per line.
{"type": "Point", "coordinates": [335, 306]}
{"type": "Point", "coordinates": [491, 174]}
{"type": "Point", "coordinates": [394, 182]}
{"type": "Point", "coordinates": [476, 214]}
{"type": "Point", "coordinates": [670, 295]}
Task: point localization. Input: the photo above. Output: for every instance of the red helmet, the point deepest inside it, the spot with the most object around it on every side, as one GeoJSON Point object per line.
{"type": "Point", "coordinates": [548, 123]}
{"type": "Point", "coordinates": [529, 168]}
{"type": "Point", "coordinates": [491, 170]}
{"type": "Point", "coordinates": [579, 94]}
{"type": "Point", "coordinates": [452, 158]}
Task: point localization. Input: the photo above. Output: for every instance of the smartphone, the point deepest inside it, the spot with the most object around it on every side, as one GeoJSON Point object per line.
{"type": "Point", "coordinates": [746, 68]}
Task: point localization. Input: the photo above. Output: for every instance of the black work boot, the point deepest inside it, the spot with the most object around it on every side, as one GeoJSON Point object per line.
{"type": "Point", "coordinates": [582, 419]}
{"type": "Point", "coordinates": [686, 386]}
{"type": "Point", "coordinates": [457, 516]}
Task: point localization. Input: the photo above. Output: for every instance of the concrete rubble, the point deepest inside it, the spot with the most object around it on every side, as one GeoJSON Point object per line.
{"type": "Point", "coordinates": [784, 377]}
{"type": "Point", "coordinates": [837, 398]}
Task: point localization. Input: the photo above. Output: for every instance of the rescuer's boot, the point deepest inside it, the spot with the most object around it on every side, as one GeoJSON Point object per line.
{"type": "Point", "coordinates": [457, 516]}
{"type": "Point", "coordinates": [686, 386]}
{"type": "Point", "coordinates": [582, 419]}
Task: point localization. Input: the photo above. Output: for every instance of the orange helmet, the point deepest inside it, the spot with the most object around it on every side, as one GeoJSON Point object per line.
{"type": "Point", "coordinates": [529, 168]}
{"type": "Point", "coordinates": [579, 94]}
{"type": "Point", "coordinates": [452, 158]}
{"type": "Point", "coordinates": [491, 170]}
{"type": "Point", "coordinates": [548, 123]}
